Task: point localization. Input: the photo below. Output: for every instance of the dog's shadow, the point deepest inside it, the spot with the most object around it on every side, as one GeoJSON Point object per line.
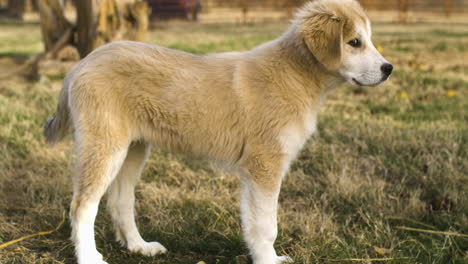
{"type": "Point", "coordinates": [195, 238]}
{"type": "Point", "coordinates": [195, 232]}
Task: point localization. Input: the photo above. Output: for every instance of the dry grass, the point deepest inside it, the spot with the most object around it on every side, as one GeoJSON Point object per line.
{"type": "Point", "coordinates": [384, 157]}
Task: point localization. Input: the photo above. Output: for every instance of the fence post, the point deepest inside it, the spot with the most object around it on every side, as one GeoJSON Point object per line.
{"type": "Point", "coordinates": [403, 10]}
{"type": "Point", "coordinates": [448, 8]}
{"type": "Point", "coordinates": [245, 10]}
{"type": "Point", "coordinates": [289, 9]}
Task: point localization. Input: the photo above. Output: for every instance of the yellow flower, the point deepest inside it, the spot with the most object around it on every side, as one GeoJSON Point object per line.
{"type": "Point", "coordinates": [403, 95]}
{"type": "Point", "coordinates": [451, 93]}
{"type": "Point", "coordinates": [379, 48]}
{"type": "Point", "coordinates": [422, 67]}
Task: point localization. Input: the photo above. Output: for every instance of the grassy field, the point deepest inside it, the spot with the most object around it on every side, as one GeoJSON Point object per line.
{"type": "Point", "coordinates": [385, 159]}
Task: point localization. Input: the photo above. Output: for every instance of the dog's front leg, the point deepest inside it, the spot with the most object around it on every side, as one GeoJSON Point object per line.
{"type": "Point", "coordinates": [259, 205]}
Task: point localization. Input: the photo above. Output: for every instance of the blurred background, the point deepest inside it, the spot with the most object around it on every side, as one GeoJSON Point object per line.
{"type": "Point", "coordinates": [384, 179]}
{"type": "Point", "coordinates": [260, 10]}
{"type": "Point", "coordinates": [74, 28]}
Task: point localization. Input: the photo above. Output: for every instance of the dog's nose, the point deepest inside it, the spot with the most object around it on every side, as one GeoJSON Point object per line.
{"type": "Point", "coordinates": [387, 68]}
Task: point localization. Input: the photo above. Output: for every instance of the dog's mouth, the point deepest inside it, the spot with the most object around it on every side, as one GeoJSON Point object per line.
{"type": "Point", "coordinates": [357, 82]}
{"type": "Point", "coordinates": [385, 78]}
{"type": "Point", "coordinates": [373, 84]}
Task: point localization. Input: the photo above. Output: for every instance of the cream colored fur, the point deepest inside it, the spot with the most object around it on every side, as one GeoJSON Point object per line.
{"type": "Point", "coordinates": [253, 110]}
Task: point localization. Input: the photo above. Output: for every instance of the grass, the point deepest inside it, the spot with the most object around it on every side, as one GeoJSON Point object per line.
{"type": "Point", "coordinates": [384, 157]}
{"type": "Point", "coordinates": [20, 39]}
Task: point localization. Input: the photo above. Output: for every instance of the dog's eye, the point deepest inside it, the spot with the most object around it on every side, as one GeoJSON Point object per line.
{"type": "Point", "coordinates": [355, 43]}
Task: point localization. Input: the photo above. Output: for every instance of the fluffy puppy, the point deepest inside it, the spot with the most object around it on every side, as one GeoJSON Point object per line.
{"type": "Point", "coordinates": [253, 110]}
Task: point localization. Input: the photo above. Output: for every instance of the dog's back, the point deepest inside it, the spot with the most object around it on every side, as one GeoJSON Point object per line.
{"type": "Point", "coordinates": [155, 94]}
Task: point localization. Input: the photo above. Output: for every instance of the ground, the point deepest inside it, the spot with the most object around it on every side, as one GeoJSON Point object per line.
{"type": "Point", "coordinates": [385, 159]}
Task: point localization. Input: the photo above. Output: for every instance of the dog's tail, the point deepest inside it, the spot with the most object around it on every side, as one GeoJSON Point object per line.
{"type": "Point", "coordinates": [58, 126]}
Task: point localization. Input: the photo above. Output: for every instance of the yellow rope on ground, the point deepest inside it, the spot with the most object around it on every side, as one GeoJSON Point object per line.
{"type": "Point", "coordinates": [372, 259]}
{"type": "Point", "coordinates": [409, 220]}
{"type": "Point", "coordinates": [431, 231]}
{"type": "Point", "coordinates": [34, 235]}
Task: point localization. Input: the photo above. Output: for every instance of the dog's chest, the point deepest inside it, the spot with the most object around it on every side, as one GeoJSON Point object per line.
{"type": "Point", "coordinates": [294, 135]}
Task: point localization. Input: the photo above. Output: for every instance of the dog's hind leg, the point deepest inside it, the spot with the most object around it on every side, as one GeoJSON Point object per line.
{"type": "Point", "coordinates": [121, 201]}
{"type": "Point", "coordinates": [99, 161]}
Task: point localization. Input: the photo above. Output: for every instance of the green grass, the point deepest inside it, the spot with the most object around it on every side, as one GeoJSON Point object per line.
{"type": "Point", "coordinates": [18, 39]}
{"type": "Point", "coordinates": [397, 150]}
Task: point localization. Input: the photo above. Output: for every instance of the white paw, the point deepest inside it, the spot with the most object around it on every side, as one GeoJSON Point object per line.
{"type": "Point", "coordinates": [284, 259]}
{"type": "Point", "coordinates": [148, 248]}
{"type": "Point", "coordinates": [92, 259]}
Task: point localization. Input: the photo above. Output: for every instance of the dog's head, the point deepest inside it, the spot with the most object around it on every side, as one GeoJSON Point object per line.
{"type": "Point", "coordinates": [338, 34]}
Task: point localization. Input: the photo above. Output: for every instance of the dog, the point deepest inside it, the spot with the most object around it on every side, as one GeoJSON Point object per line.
{"type": "Point", "coordinates": [252, 110]}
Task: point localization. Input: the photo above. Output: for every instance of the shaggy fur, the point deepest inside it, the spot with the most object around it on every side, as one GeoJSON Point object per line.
{"type": "Point", "coordinates": [252, 110]}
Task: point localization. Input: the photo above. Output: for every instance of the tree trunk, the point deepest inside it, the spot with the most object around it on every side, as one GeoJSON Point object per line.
{"type": "Point", "coordinates": [140, 13]}
{"type": "Point", "coordinates": [98, 22]}
{"type": "Point", "coordinates": [84, 24]}
{"type": "Point", "coordinates": [103, 21]}
{"type": "Point", "coordinates": [53, 22]}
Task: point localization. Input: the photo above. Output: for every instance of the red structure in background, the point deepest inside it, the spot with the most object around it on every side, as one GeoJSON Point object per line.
{"type": "Point", "coordinates": [169, 9]}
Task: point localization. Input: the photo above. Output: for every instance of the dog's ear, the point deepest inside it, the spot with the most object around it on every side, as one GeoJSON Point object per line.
{"type": "Point", "coordinates": [323, 36]}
